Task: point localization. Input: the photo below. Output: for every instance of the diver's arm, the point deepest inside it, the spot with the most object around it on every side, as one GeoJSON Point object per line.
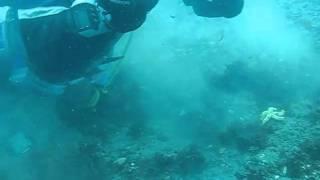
{"type": "Point", "coordinates": [55, 20]}
{"type": "Point", "coordinates": [89, 17]}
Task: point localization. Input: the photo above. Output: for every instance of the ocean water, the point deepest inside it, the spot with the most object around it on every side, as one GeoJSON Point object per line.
{"type": "Point", "coordinates": [193, 99]}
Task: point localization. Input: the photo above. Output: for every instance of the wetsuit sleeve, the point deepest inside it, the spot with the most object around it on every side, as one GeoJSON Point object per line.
{"type": "Point", "coordinates": [55, 52]}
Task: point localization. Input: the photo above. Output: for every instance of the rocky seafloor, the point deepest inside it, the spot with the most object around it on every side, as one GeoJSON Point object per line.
{"type": "Point", "coordinates": [224, 139]}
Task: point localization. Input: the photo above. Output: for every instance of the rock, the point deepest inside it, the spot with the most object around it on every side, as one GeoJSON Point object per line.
{"type": "Point", "coordinates": [20, 144]}
{"type": "Point", "coordinates": [120, 161]}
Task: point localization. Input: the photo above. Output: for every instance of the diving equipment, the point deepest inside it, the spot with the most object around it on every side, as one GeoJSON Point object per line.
{"type": "Point", "coordinates": [89, 19]}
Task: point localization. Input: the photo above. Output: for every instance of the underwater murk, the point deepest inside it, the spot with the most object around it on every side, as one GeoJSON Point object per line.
{"type": "Point", "coordinates": [195, 99]}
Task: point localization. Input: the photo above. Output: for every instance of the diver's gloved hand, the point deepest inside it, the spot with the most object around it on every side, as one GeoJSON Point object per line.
{"type": "Point", "coordinates": [126, 15]}
{"type": "Point", "coordinates": [117, 7]}
{"type": "Point", "coordinates": [216, 8]}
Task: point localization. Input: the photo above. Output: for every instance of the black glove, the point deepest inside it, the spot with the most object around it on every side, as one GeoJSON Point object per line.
{"type": "Point", "coordinates": [216, 8]}
{"type": "Point", "coordinates": [141, 5]}
{"type": "Point", "coordinates": [126, 15]}
{"type": "Point", "coordinates": [117, 6]}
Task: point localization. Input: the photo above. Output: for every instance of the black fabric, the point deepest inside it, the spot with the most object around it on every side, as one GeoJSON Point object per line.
{"type": "Point", "coordinates": [27, 4]}
{"type": "Point", "coordinates": [57, 55]}
{"type": "Point", "coordinates": [83, 16]}
{"type": "Point", "coordinates": [216, 8]}
{"type": "Point", "coordinates": [127, 15]}
{"type": "Point", "coordinates": [127, 21]}
{"type": "Point", "coordinates": [147, 5]}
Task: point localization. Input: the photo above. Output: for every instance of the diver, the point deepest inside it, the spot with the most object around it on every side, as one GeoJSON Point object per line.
{"type": "Point", "coordinates": [64, 44]}
{"type": "Point", "coordinates": [62, 41]}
